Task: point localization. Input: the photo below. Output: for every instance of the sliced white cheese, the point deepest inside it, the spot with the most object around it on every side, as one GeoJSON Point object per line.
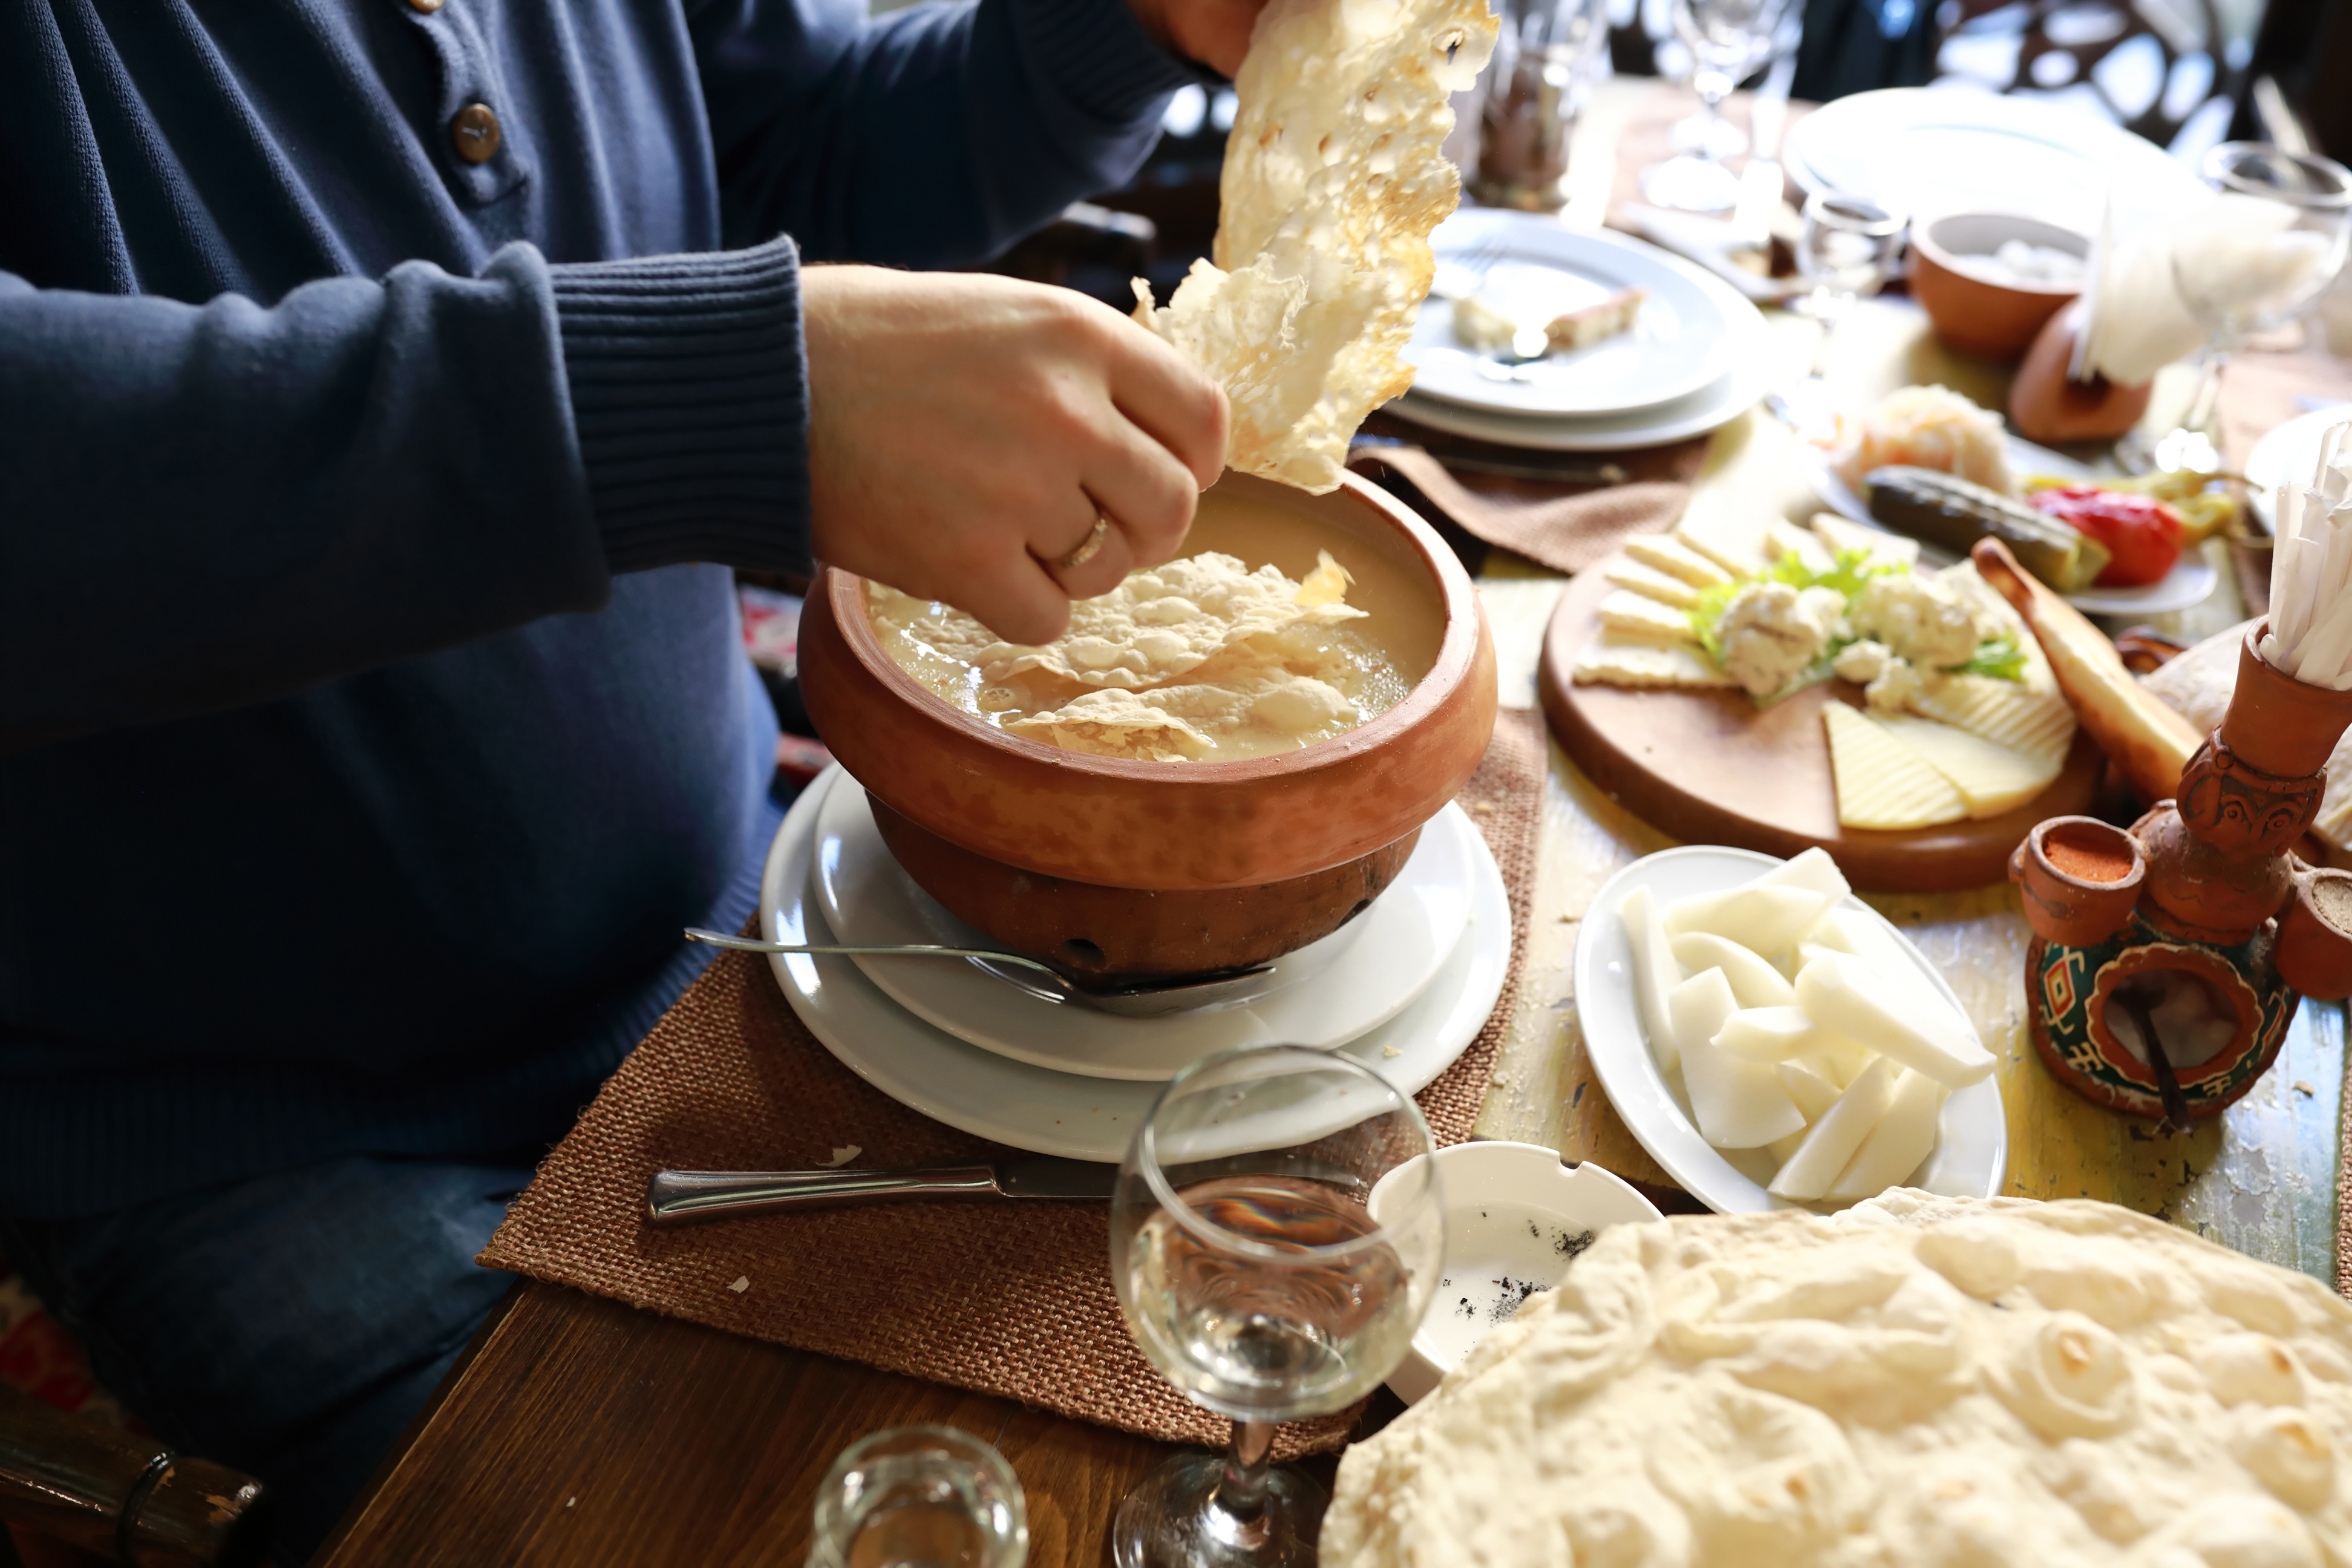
{"type": "Point", "coordinates": [1650, 583]}
{"type": "Point", "coordinates": [1760, 918]}
{"type": "Point", "coordinates": [1839, 1132]}
{"type": "Point", "coordinates": [1675, 558]}
{"type": "Point", "coordinates": [1903, 1138]}
{"type": "Point", "coordinates": [1770, 1033]}
{"type": "Point", "coordinates": [1656, 972]}
{"type": "Point", "coordinates": [1782, 1148]}
{"type": "Point", "coordinates": [1839, 1059]}
{"type": "Point", "coordinates": [1755, 983]}
{"type": "Point", "coordinates": [1992, 778]}
{"type": "Point", "coordinates": [2039, 723]}
{"type": "Point", "coordinates": [1626, 613]}
{"type": "Point", "coordinates": [1814, 1092]}
{"type": "Point", "coordinates": [1887, 549]}
{"type": "Point", "coordinates": [1609, 661]}
{"type": "Point", "coordinates": [1814, 871]}
{"type": "Point", "coordinates": [1881, 783]}
{"type": "Point", "coordinates": [1895, 1013]}
{"type": "Point", "coordinates": [1783, 538]}
{"type": "Point", "coordinates": [1737, 1104]}
{"type": "Point", "coordinates": [1730, 537]}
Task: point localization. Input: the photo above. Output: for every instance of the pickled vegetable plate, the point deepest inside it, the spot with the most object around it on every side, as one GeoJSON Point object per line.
{"type": "Point", "coordinates": [2190, 582]}
{"type": "Point", "coordinates": [1972, 1154]}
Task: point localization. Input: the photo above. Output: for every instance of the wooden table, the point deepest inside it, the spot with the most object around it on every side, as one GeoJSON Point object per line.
{"type": "Point", "coordinates": [579, 1431]}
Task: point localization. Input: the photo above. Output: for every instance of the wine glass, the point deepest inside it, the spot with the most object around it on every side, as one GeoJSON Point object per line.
{"type": "Point", "coordinates": [1728, 39]}
{"type": "Point", "coordinates": [1847, 251]}
{"type": "Point", "coordinates": [1252, 1275]}
{"type": "Point", "coordinates": [1546, 55]}
{"type": "Point", "coordinates": [2269, 244]}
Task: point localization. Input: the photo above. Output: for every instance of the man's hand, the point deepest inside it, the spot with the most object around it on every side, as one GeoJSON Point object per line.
{"type": "Point", "coordinates": [966, 431]}
{"type": "Point", "coordinates": [1216, 33]}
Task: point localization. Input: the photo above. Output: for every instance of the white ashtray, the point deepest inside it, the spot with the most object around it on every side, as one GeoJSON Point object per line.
{"type": "Point", "coordinates": [1515, 1219]}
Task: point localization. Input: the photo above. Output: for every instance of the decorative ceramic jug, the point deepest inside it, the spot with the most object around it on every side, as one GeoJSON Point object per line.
{"type": "Point", "coordinates": [2167, 962]}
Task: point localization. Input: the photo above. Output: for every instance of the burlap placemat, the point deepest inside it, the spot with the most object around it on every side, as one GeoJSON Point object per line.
{"type": "Point", "coordinates": [1012, 1300]}
{"type": "Point", "coordinates": [1553, 525]}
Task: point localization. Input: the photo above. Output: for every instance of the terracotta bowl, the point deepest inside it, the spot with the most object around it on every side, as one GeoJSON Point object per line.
{"type": "Point", "coordinates": [1326, 820]}
{"type": "Point", "coordinates": [2062, 907]}
{"type": "Point", "coordinates": [2314, 938]}
{"type": "Point", "coordinates": [1970, 314]}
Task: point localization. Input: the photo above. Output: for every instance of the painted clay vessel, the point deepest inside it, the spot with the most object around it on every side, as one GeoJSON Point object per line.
{"type": "Point", "coordinates": [1335, 816]}
{"type": "Point", "coordinates": [2170, 1003]}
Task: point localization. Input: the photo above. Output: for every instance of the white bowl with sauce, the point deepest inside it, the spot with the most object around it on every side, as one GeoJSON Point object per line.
{"type": "Point", "coordinates": [1515, 1219]}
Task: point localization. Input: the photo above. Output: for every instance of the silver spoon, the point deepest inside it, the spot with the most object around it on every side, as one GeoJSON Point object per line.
{"type": "Point", "coordinates": [1135, 999]}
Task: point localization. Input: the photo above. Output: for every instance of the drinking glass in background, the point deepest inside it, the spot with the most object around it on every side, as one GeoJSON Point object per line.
{"type": "Point", "coordinates": [1727, 39]}
{"type": "Point", "coordinates": [1547, 54]}
{"type": "Point", "coordinates": [919, 1496]}
{"type": "Point", "coordinates": [1254, 1276]}
{"type": "Point", "coordinates": [1846, 252]}
{"type": "Point", "coordinates": [2269, 245]}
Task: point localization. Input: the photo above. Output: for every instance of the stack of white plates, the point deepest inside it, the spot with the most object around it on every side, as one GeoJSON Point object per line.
{"type": "Point", "coordinates": [1693, 359]}
{"type": "Point", "coordinates": [1403, 988]}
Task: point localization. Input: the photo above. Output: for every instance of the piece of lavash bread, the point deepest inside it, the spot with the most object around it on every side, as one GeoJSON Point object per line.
{"type": "Point", "coordinates": [2198, 684]}
{"type": "Point", "coordinates": [1333, 179]}
{"type": "Point", "coordinates": [1917, 1383]}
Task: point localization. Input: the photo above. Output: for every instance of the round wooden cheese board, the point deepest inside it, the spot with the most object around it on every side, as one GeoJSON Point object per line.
{"type": "Point", "coordinates": [1711, 767]}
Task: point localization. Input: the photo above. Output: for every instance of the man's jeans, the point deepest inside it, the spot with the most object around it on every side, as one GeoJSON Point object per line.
{"type": "Point", "coordinates": [289, 1326]}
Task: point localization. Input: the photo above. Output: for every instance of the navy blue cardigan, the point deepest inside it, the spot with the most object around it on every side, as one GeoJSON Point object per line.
{"type": "Point", "coordinates": [366, 733]}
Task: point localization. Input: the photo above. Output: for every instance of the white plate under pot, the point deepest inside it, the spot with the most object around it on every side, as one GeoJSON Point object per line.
{"type": "Point", "coordinates": [1972, 1154]}
{"type": "Point", "coordinates": [1708, 409]}
{"type": "Point", "coordinates": [1322, 995]}
{"type": "Point", "coordinates": [1036, 1109]}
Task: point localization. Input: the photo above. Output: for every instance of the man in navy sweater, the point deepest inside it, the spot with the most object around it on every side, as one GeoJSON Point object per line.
{"type": "Point", "coordinates": [385, 388]}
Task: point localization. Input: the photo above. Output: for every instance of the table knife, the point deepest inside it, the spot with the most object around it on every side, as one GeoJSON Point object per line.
{"type": "Point", "coordinates": [676, 1197]}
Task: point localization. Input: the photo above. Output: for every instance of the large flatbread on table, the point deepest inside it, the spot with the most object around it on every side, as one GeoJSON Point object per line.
{"type": "Point", "coordinates": [1333, 179]}
{"type": "Point", "coordinates": [1917, 1383]}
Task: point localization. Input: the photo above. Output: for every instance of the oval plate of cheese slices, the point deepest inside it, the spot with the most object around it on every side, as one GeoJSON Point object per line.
{"type": "Point", "coordinates": [1774, 1042]}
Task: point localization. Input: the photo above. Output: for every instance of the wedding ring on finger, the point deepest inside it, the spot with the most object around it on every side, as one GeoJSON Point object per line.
{"type": "Point", "coordinates": [1088, 548]}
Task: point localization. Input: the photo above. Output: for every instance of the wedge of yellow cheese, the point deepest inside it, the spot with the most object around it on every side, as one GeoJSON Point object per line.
{"type": "Point", "coordinates": [2040, 724]}
{"type": "Point", "coordinates": [1610, 660]}
{"type": "Point", "coordinates": [1881, 782]}
{"type": "Point", "coordinates": [1649, 582]}
{"type": "Point", "coordinates": [1676, 559]}
{"type": "Point", "coordinates": [1991, 777]}
{"type": "Point", "coordinates": [1640, 618]}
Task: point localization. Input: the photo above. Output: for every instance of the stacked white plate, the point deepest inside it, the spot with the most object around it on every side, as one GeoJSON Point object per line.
{"type": "Point", "coordinates": [1693, 359]}
{"type": "Point", "coordinates": [1403, 988]}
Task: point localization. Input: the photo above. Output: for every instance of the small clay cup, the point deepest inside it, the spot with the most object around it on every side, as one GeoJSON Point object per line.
{"type": "Point", "coordinates": [1996, 320]}
{"type": "Point", "coordinates": [1166, 826]}
{"type": "Point", "coordinates": [2048, 406]}
{"type": "Point", "coordinates": [2314, 937]}
{"type": "Point", "coordinates": [2064, 907]}
{"type": "Point", "coordinates": [1122, 934]}
{"type": "Point", "coordinates": [2277, 724]}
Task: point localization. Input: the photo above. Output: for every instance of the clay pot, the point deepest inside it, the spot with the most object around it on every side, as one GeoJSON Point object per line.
{"type": "Point", "coordinates": [1165, 827]}
{"type": "Point", "coordinates": [2277, 724]}
{"type": "Point", "coordinates": [2047, 406]}
{"type": "Point", "coordinates": [1121, 933]}
{"type": "Point", "coordinates": [1995, 319]}
{"type": "Point", "coordinates": [2314, 937]}
{"type": "Point", "coordinates": [2075, 911]}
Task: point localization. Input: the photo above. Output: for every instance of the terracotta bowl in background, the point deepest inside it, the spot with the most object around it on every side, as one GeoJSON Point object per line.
{"type": "Point", "coordinates": [1303, 838]}
{"type": "Point", "coordinates": [1973, 316]}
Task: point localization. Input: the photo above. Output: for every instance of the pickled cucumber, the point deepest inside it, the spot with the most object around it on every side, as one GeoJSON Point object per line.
{"type": "Point", "coordinates": [1950, 514]}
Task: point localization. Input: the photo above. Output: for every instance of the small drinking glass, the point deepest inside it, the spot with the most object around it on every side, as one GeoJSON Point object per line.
{"type": "Point", "coordinates": [1728, 39]}
{"type": "Point", "coordinates": [1252, 1275]}
{"type": "Point", "coordinates": [2270, 245]}
{"type": "Point", "coordinates": [919, 1496]}
{"type": "Point", "coordinates": [1847, 252]}
{"type": "Point", "coordinates": [1547, 53]}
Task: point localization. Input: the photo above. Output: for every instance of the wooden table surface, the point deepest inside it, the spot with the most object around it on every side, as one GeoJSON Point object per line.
{"type": "Point", "coordinates": [581, 1431]}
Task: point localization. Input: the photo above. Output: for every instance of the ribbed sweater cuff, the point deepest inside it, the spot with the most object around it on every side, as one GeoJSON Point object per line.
{"type": "Point", "coordinates": [1098, 54]}
{"type": "Point", "coordinates": [690, 396]}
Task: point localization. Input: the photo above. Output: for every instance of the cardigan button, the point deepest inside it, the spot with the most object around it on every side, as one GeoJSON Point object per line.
{"type": "Point", "coordinates": [427, 6]}
{"type": "Point", "coordinates": [476, 132]}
